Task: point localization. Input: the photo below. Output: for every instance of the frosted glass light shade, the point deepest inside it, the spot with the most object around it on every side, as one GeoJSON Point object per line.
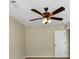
{"type": "Point", "coordinates": [45, 20]}
{"type": "Point", "coordinates": [49, 21]}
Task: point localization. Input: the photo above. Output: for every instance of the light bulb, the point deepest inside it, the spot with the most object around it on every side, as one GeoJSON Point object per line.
{"type": "Point", "coordinates": [44, 20]}
{"type": "Point", "coordinates": [49, 21]}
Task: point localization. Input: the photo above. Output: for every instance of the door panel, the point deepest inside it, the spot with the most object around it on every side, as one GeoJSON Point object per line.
{"type": "Point", "coordinates": [60, 43]}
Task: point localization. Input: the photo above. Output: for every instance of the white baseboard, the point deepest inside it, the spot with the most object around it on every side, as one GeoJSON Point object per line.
{"type": "Point", "coordinates": [42, 56]}
{"type": "Point", "coordinates": [38, 56]}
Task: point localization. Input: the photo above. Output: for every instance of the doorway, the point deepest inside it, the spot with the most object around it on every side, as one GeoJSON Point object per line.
{"type": "Point", "coordinates": [62, 43]}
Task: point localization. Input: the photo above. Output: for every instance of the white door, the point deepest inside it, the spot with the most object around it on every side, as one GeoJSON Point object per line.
{"type": "Point", "coordinates": [60, 43]}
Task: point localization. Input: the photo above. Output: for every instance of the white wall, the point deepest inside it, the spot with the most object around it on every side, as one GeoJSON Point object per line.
{"type": "Point", "coordinates": [16, 39]}
{"type": "Point", "coordinates": [39, 41]}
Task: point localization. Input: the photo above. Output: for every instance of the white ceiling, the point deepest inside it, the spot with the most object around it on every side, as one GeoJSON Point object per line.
{"type": "Point", "coordinates": [21, 11]}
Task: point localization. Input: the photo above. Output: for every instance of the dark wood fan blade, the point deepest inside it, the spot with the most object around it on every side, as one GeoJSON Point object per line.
{"type": "Point", "coordinates": [36, 11]}
{"type": "Point", "coordinates": [58, 10]}
{"type": "Point", "coordinates": [36, 19]}
{"type": "Point", "coordinates": [56, 18]}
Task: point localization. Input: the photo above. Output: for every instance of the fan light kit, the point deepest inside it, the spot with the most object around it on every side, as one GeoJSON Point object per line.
{"type": "Point", "coordinates": [46, 21]}
{"type": "Point", "coordinates": [48, 16]}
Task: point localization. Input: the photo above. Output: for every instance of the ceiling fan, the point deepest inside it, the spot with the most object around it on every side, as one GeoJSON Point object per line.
{"type": "Point", "coordinates": [48, 16]}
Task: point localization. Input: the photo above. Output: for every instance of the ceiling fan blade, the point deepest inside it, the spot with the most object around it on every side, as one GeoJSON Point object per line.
{"type": "Point", "coordinates": [58, 10]}
{"type": "Point", "coordinates": [56, 18]}
{"type": "Point", "coordinates": [36, 19]}
{"type": "Point", "coordinates": [36, 11]}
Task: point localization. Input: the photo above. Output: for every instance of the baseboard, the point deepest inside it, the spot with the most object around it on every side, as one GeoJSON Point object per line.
{"type": "Point", "coordinates": [45, 57]}
{"type": "Point", "coordinates": [37, 56]}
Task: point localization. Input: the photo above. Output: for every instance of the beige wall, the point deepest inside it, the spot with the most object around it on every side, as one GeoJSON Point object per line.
{"type": "Point", "coordinates": [17, 39]}
{"type": "Point", "coordinates": [30, 41]}
{"type": "Point", "coordinates": [39, 41]}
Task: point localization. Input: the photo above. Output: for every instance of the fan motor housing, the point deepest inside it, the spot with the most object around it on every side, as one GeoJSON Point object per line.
{"type": "Point", "coordinates": [47, 14]}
